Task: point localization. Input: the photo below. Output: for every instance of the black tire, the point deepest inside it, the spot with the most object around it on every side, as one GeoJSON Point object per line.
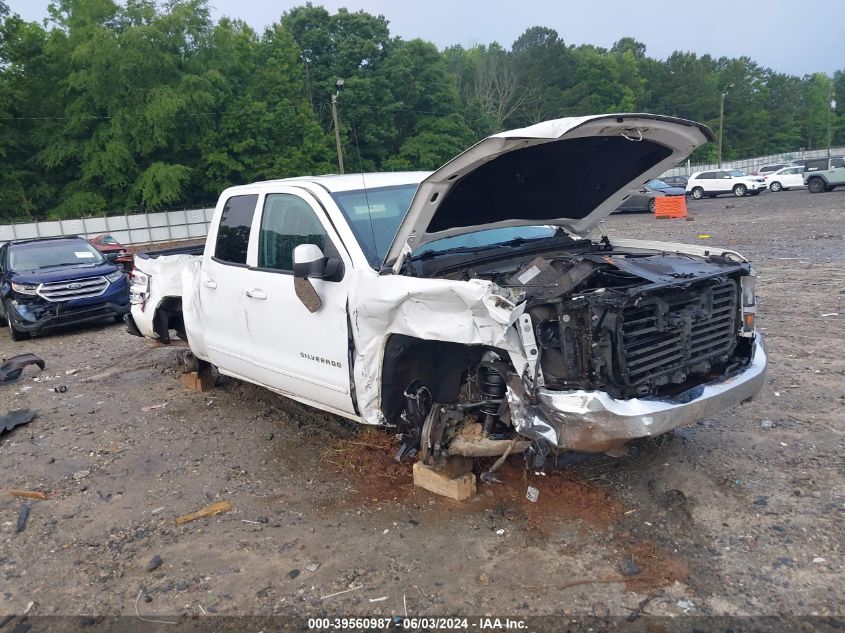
{"type": "Point", "coordinates": [776, 186]}
{"type": "Point", "coordinates": [651, 205]}
{"type": "Point", "coordinates": [697, 193]}
{"type": "Point", "coordinates": [15, 333]}
{"type": "Point", "coordinates": [816, 185]}
{"type": "Point", "coordinates": [740, 190]}
{"type": "Point", "coordinates": [118, 318]}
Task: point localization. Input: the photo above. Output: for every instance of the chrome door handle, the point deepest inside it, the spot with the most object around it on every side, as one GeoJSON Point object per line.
{"type": "Point", "coordinates": [209, 283]}
{"type": "Point", "coordinates": [256, 293]}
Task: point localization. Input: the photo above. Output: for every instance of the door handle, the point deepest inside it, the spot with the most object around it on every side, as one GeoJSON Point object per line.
{"type": "Point", "coordinates": [256, 293]}
{"type": "Point", "coordinates": [209, 283]}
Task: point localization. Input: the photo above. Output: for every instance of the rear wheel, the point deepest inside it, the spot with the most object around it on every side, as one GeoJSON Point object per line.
{"type": "Point", "coordinates": [816, 185]}
{"type": "Point", "coordinates": [651, 205]}
{"type": "Point", "coordinates": [775, 186]}
{"type": "Point", "coordinates": [740, 190]}
{"type": "Point", "coordinates": [697, 193]}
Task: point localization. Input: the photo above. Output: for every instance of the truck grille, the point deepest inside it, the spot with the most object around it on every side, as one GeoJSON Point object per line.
{"type": "Point", "coordinates": [73, 289]}
{"type": "Point", "coordinates": [664, 339]}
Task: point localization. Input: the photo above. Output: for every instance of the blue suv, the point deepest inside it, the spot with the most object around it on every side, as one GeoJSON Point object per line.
{"type": "Point", "coordinates": [56, 281]}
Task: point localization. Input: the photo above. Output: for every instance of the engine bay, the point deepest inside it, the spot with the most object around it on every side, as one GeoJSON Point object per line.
{"type": "Point", "coordinates": [633, 324]}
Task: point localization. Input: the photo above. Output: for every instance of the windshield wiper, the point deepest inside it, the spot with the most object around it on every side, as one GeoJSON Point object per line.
{"type": "Point", "coordinates": [65, 264]}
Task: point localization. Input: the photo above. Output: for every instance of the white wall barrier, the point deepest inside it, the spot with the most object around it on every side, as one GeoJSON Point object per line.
{"type": "Point", "coordinates": [749, 165]}
{"type": "Point", "coordinates": [139, 228]}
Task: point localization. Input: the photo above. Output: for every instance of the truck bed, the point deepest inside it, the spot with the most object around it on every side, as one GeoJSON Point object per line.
{"type": "Point", "coordinates": [193, 249]}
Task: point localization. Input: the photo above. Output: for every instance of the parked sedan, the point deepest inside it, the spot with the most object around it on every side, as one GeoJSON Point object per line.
{"type": "Point", "coordinates": [106, 244]}
{"type": "Point", "coordinates": [676, 181]}
{"type": "Point", "coordinates": [643, 199]}
{"type": "Point", "coordinates": [786, 178]}
{"type": "Point", "coordinates": [768, 170]}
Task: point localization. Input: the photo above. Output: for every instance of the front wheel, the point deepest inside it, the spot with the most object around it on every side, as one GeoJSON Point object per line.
{"type": "Point", "coordinates": [15, 333]}
{"type": "Point", "coordinates": [775, 186]}
{"type": "Point", "coordinates": [740, 191]}
{"type": "Point", "coordinates": [651, 205]}
{"type": "Point", "coordinates": [697, 193]}
{"type": "Point", "coordinates": [816, 185]}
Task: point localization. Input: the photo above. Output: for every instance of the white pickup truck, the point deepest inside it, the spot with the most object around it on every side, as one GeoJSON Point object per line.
{"type": "Point", "coordinates": [466, 308]}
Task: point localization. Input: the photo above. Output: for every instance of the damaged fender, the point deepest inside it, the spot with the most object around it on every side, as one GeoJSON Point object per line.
{"type": "Point", "coordinates": [465, 312]}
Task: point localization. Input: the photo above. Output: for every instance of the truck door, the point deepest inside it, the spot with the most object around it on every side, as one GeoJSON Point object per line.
{"type": "Point", "coordinates": [302, 354]}
{"type": "Point", "coordinates": [223, 279]}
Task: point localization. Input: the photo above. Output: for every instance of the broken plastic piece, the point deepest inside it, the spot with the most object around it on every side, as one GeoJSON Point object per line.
{"type": "Point", "coordinates": [532, 494]}
{"type": "Point", "coordinates": [23, 514]}
{"type": "Point", "coordinates": [15, 418]}
{"type": "Point", "coordinates": [12, 367]}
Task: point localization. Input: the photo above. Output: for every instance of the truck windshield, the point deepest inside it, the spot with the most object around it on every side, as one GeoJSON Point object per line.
{"type": "Point", "coordinates": [375, 215]}
{"type": "Point", "coordinates": [52, 254]}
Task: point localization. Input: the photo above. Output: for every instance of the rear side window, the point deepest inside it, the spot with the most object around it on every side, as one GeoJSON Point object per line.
{"type": "Point", "coordinates": [233, 233]}
{"type": "Point", "coordinates": [707, 175]}
{"type": "Point", "coordinates": [287, 222]}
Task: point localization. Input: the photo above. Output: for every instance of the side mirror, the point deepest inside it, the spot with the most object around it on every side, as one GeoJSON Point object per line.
{"type": "Point", "coordinates": [310, 263]}
{"type": "Point", "coordinates": [112, 257]}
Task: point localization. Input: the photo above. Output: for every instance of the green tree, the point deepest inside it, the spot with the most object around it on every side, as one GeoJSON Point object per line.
{"type": "Point", "coordinates": [268, 129]}
{"type": "Point", "coordinates": [817, 93]}
{"type": "Point", "coordinates": [436, 140]}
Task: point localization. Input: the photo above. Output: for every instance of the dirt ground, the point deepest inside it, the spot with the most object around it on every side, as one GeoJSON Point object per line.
{"type": "Point", "coordinates": [740, 514]}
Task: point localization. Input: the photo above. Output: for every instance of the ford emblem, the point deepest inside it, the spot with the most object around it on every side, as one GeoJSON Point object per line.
{"type": "Point", "coordinates": [73, 286]}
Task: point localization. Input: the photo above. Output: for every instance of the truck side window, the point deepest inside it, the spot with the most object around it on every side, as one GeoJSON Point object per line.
{"type": "Point", "coordinates": [233, 233]}
{"type": "Point", "coordinates": [837, 163]}
{"type": "Point", "coordinates": [287, 222]}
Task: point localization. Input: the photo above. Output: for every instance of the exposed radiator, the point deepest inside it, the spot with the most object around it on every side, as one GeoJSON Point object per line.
{"type": "Point", "coordinates": [665, 339]}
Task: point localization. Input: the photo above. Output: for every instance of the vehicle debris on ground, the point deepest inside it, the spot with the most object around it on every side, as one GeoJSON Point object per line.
{"type": "Point", "coordinates": [12, 368]}
{"type": "Point", "coordinates": [15, 418]}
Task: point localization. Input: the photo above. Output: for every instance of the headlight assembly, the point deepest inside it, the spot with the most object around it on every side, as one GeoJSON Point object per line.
{"type": "Point", "coordinates": [25, 289]}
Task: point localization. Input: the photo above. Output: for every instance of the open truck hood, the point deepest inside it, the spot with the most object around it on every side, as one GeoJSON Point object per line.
{"type": "Point", "coordinates": [569, 172]}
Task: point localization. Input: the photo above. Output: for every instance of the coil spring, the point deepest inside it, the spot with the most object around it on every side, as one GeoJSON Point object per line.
{"type": "Point", "coordinates": [492, 387]}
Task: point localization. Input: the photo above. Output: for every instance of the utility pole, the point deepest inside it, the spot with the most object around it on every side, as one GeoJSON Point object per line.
{"type": "Point", "coordinates": [829, 121]}
{"type": "Point", "coordinates": [338, 87]}
{"type": "Point", "coordinates": [722, 121]}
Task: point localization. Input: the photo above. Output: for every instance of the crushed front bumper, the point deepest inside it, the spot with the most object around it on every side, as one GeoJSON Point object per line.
{"type": "Point", "coordinates": [34, 318]}
{"type": "Point", "coordinates": [592, 421]}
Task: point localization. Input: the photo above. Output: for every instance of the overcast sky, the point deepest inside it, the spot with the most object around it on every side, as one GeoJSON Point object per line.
{"type": "Point", "coordinates": [780, 34]}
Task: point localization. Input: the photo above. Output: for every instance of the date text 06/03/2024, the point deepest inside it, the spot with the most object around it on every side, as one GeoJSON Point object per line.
{"type": "Point", "coordinates": [420, 623]}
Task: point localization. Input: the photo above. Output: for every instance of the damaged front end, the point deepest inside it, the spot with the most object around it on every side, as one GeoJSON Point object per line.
{"type": "Point", "coordinates": [610, 344]}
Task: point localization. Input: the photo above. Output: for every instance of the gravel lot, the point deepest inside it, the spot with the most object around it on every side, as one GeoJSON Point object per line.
{"type": "Point", "coordinates": [741, 514]}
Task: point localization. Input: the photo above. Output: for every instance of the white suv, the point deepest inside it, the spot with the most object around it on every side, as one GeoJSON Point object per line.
{"type": "Point", "coordinates": [718, 181]}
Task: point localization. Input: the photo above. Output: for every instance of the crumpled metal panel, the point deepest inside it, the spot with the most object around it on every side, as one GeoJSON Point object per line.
{"type": "Point", "coordinates": [466, 312]}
